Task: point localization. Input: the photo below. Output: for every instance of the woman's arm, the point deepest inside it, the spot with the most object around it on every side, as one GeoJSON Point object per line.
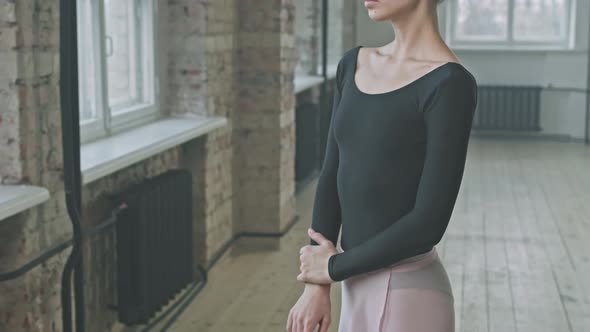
{"type": "Point", "coordinates": [314, 306]}
{"type": "Point", "coordinates": [448, 118]}
{"type": "Point", "coordinates": [326, 209]}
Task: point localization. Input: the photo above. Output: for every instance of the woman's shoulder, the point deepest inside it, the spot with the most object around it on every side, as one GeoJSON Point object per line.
{"type": "Point", "coordinates": [346, 64]}
{"type": "Point", "coordinates": [450, 71]}
{"type": "Point", "coordinates": [451, 75]}
{"type": "Point", "coordinates": [348, 58]}
{"type": "Point", "coordinates": [454, 84]}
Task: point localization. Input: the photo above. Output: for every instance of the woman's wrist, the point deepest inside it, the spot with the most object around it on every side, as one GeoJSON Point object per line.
{"type": "Point", "coordinates": [318, 287]}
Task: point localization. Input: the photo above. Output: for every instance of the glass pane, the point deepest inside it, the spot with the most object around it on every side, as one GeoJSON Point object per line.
{"type": "Point", "coordinates": [121, 52]}
{"type": "Point", "coordinates": [482, 20]}
{"type": "Point", "coordinates": [540, 20]}
{"type": "Point", "coordinates": [87, 63]}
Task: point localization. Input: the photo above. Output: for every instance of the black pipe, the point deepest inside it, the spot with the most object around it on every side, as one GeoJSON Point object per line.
{"type": "Point", "coordinates": [587, 122]}
{"type": "Point", "coordinates": [71, 160]}
{"type": "Point", "coordinates": [10, 275]}
{"type": "Point", "coordinates": [184, 300]}
{"type": "Point", "coordinates": [103, 226]}
{"type": "Point", "coordinates": [109, 223]}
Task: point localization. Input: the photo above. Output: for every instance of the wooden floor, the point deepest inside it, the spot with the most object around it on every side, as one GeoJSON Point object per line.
{"type": "Point", "coordinates": [516, 250]}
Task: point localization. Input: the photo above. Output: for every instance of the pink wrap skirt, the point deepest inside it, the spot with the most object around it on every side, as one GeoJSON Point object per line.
{"type": "Point", "coordinates": [413, 295]}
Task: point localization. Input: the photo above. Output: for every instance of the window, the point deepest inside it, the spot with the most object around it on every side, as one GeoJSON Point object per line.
{"type": "Point", "coordinates": [117, 79]}
{"type": "Point", "coordinates": [545, 24]}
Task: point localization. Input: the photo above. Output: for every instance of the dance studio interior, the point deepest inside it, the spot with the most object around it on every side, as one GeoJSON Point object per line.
{"type": "Point", "coordinates": [159, 161]}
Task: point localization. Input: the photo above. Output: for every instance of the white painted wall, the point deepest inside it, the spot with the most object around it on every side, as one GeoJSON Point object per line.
{"type": "Point", "coordinates": [562, 112]}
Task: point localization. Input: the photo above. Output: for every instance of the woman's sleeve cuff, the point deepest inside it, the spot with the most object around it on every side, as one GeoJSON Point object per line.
{"type": "Point", "coordinates": [331, 267]}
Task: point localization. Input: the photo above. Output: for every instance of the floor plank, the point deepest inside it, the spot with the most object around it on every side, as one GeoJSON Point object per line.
{"type": "Point", "coordinates": [516, 250]}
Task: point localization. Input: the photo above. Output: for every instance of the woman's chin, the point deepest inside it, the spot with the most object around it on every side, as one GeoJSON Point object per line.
{"type": "Point", "coordinates": [374, 15]}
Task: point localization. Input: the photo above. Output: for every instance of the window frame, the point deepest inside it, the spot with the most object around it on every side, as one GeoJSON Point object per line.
{"type": "Point", "coordinates": [107, 122]}
{"type": "Point", "coordinates": [509, 43]}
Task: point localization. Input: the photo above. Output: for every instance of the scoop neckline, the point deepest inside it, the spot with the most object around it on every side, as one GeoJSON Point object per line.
{"type": "Point", "coordinates": [431, 72]}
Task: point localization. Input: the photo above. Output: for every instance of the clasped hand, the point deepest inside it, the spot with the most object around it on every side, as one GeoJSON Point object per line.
{"type": "Point", "coordinates": [314, 260]}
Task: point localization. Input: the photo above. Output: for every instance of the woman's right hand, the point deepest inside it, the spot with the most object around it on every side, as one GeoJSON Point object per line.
{"type": "Point", "coordinates": [312, 308]}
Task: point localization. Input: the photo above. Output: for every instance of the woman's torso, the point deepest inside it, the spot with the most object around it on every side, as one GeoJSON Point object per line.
{"type": "Point", "coordinates": [382, 143]}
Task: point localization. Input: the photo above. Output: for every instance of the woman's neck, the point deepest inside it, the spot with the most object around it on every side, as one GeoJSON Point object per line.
{"type": "Point", "coordinates": [416, 35]}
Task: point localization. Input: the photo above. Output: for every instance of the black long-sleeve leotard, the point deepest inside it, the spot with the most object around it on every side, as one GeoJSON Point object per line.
{"type": "Point", "coordinates": [393, 166]}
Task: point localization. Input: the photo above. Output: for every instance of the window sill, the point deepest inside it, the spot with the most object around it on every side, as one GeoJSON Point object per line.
{"type": "Point", "coordinates": [304, 82]}
{"type": "Point", "coordinates": [331, 70]}
{"type": "Point", "coordinates": [18, 198]}
{"type": "Point", "coordinates": [106, 156]}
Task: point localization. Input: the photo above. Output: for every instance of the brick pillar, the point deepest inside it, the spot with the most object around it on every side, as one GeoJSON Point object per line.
{"type": "Point", "coordinates": [10, 161]}
{"type": "Point", "coordinates": [264, 133]}
{"type": "Point", "coordinates": [30, 153]}
{"type": "Point", "coordinates": [200, 62]}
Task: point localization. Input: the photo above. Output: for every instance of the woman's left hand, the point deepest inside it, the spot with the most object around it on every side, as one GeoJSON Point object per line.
{"type": "Point", "coordinates": [314, 260]}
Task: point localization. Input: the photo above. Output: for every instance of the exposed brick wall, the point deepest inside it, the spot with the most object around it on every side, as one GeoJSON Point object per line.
{"type": "Point", "coordinates": [29, 74]}
{"type": "Point", "coordinates": [10, 163]}
{"type": "Point", "coordinates": [32, 303]}
{"type": "Point", "coordinates": [201, 81]}
{"type": "Point", "coordinates": [264, 134]}
{"type": "Point", "coordinates": [233, 58]}
{"type": "Point", "coordinates": [30, 116]}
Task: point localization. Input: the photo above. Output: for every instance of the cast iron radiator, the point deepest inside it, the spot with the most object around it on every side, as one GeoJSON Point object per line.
{"type": "Point", "coordinates": [514, 108]}
{"type": "Point", "coordinates": [154, 244]}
